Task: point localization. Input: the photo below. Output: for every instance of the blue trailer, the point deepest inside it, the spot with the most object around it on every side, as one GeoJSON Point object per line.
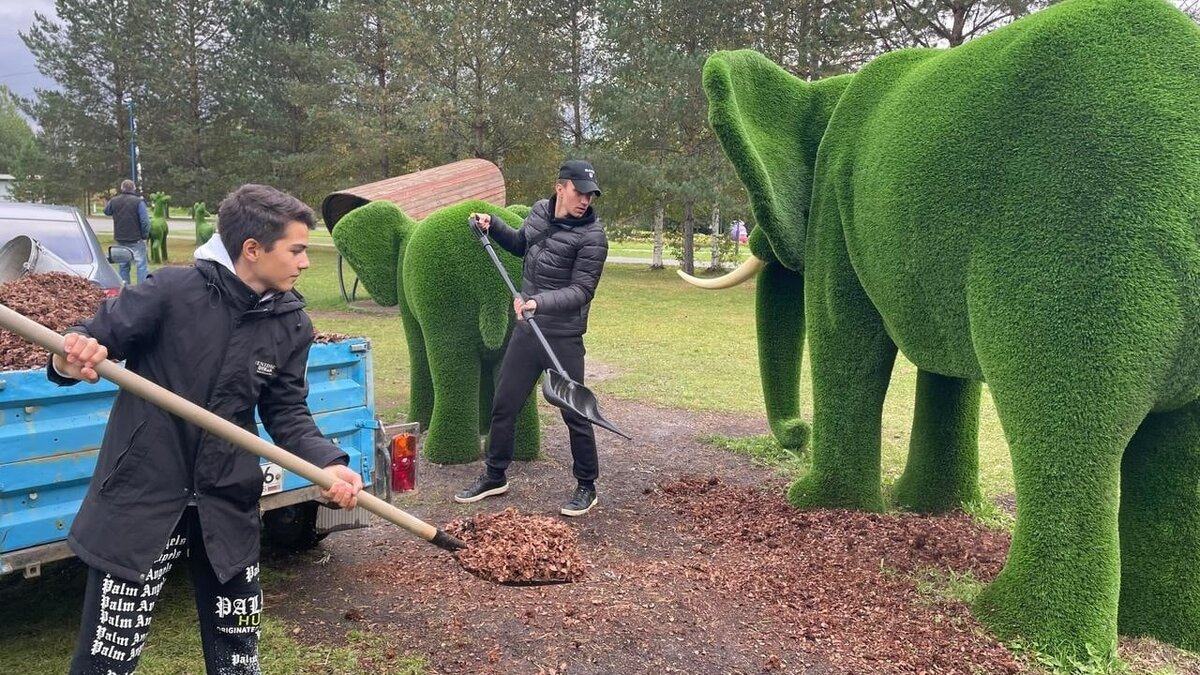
{"type": "Point", "coordinates": [50, 438]}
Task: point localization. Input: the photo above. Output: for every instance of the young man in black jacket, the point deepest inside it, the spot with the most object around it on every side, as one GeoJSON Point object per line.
{"type": "Point", "coordinates": [564, 248]}
{"type": "Point", "coordinates": [229, 334]}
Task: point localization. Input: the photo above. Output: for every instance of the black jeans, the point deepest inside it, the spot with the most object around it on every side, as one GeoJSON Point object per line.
{"type": "Point", "coordinates": [117, 613]}
{"type": "Point", "coordinates": [524, 361]}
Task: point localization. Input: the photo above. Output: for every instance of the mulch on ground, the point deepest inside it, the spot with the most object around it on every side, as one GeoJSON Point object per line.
{"type": "Point", "coordinates": [511, 548]}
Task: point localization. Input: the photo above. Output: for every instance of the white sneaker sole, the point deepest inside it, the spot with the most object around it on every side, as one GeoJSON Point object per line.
{"type": "Point", "coordinates": [579, 512]}
{"type": "Point", "coordinates": [486, 493]}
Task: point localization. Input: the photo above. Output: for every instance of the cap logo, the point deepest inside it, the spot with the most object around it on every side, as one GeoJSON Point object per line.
{"type": "Point", "coordinates": [590, 173]}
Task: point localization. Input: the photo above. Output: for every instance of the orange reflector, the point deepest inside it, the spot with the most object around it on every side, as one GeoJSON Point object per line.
{"type": "Point", "coordinates": [404, 462]}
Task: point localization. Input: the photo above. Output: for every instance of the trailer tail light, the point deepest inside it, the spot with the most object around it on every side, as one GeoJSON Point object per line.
{"type": "Point", "coordinates": [404, 462]}
{"type": "Point", "coordinates": [111, 292]}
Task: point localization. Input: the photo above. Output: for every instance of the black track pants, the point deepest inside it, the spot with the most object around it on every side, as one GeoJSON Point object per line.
{"type": "Point", "coordinates": [116, 613]}
{"type": "Point", "coordinates": [523, 361]}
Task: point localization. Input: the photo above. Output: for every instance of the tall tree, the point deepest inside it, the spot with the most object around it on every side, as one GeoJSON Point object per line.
{"type": "Point", "coordinates": [282, 109]}
{"type": "Point", "coordinates": [95, 53]}
{"type": "Point", "coordinates": [180, 120]}
{"type": "Point", "coordinates": [653, 110]}
{"type": "Point", "coordinates": [17, 139]}
{"type": "Point", "coordinates": [946, 23]}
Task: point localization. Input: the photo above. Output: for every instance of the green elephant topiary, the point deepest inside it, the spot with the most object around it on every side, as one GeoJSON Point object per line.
{"type": "Point", "coordinates": [457, 316]}
{"type": "Point", "coordinates": [158, 227]}
{"type": "Point", "coordinates": [204, 227]}
{"type": "Point", "coordinates": [1023, 210]}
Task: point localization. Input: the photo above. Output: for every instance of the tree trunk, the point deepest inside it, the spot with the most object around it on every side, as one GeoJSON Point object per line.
{"type": "Point", "coordinates": [688, 264]}
{"type": "Point", "coordinates": [656, 262]}
{"type": "Point", "coordinates": [715, 263]}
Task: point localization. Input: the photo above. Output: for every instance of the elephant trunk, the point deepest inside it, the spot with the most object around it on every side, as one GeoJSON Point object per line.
{"type": "Point", "coordinates": [779, 312]}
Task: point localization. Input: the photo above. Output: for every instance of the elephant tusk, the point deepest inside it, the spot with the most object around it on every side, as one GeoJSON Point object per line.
{"type": "Point", "coordinates": [740, 275]}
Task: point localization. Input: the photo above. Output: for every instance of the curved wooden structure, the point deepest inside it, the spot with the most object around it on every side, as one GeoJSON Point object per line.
{"type": "Point", "coordinates": [419, 194]}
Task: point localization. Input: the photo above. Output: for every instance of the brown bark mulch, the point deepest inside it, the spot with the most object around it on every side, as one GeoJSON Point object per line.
{"type": "Point", "coordinates": [511, 548]}
{"type": "Point", "coordinates": [54, 299]}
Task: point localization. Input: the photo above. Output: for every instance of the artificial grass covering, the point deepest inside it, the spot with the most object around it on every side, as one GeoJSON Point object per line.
{"type": "Point", "coordinates": [1024, 210]}
{"type": "Point", "coordinates": [457, 315]}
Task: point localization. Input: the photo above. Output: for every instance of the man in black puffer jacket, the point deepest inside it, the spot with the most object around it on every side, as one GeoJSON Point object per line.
{"type": "Point", "coordinates": [564, 248]}
{"type": "Point", "coordinates": [230, 335]}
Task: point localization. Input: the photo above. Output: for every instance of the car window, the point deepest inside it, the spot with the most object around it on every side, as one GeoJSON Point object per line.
{"type": "Point", "coordinates": [65, 239]}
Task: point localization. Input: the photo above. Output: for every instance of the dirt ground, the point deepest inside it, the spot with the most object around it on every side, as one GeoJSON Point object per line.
{"type": "Point", "coordinates": [695, 564]}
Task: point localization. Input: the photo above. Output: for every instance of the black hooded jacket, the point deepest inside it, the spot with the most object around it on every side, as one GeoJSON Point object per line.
{"type": "Point", "coordinates": [203, 334]}
{"type": "Point", "coordinates": [563, 260]}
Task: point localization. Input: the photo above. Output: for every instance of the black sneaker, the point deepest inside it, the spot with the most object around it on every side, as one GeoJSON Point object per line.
{"type": "Point", "coordinates": [581, 502]}
{"type": "Point", "coordinates": [484, 486]}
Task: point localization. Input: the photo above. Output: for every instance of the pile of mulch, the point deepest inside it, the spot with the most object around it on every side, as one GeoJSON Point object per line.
{"type": "Point", "coordinates": [511, 548]}
{"type": "Point", "coordinates": [56, 300]}
{"type": "Point", "coordinates": [842, 584]}
{"type": "Point", "coordinates": [321, 337]}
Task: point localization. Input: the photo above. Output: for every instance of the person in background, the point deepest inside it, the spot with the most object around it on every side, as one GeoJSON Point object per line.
{"type": "Point", "coordinates": [131, 228]}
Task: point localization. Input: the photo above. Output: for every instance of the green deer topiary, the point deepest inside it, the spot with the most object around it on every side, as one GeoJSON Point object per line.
{"type": "Point", "coordinates": [204, 228]}
{"type": "Point", "coordinates": [158, 227]}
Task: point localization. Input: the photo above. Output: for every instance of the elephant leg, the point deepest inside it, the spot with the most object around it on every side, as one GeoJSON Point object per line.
{"type": "Point", "coordinates": [420, 381]}
{"type": "Point", "coordinates": [454, 426]}
{"type": "Point", "coordinates": [852, 359]}
{"type": "Point", "coordinates": [1160, 529]}
{"type": "Point", "coordinates": [1072, 380]}
{"type": "Point", "coordinates": [779, 314]}
{"type": "Point", "coordinates": [942, 471]}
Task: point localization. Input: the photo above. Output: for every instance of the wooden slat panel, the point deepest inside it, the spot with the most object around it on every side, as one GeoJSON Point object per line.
{"type": "Point", "coordinates": [421, 193]}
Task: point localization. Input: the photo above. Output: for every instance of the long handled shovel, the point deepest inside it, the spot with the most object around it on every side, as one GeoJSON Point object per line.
{"type": "Point", "coordinates": [171, 402]}
{"type": "Point", "coordinates": [557, 386]}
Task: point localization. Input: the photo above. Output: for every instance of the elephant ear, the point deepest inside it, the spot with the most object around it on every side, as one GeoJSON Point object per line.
{"type": "Point", "coordinates": [760, 113]}
{"type": "Point", "coordinates": [371, 238]}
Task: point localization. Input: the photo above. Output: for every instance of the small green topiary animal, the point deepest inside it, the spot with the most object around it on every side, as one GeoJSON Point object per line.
{"type": "Point", "coordinates": [158, 227]}
{"type": "Point", "coordinates": [1023, 210]}
{"type": "Point", "coordinates": [204, 228]}
{"type": "Point", "coordinates": [457, 316]}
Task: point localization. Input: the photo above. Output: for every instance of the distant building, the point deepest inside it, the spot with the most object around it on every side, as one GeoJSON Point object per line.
{"type": "Point", "coordinates": [6, 186]}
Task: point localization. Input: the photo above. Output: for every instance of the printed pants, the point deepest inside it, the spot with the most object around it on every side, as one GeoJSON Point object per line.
{"type": "Point", "coordinates": [116, 613]}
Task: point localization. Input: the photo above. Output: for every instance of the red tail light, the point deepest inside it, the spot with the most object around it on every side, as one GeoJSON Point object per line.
{"type": "Point", "coordinates": [112, 292]}
{"type": "Point", "coordinates": [404, 462]}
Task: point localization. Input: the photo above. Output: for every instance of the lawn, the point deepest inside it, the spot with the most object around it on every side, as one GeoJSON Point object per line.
{"type": "Point", "coordinates": [659, 340]}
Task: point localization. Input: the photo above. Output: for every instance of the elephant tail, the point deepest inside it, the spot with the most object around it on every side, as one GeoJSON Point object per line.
{"type": "Point", "coordinates": [372, 239]}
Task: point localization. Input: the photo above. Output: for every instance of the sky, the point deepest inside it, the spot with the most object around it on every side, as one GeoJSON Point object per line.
{"type": "Point", "coordinates": [17, 68]}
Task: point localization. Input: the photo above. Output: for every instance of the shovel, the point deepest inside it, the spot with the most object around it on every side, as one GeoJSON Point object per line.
{"type": "Point", "coordinates": [185, 409]}
{"type": "Point", "coordinates": [557, 387]}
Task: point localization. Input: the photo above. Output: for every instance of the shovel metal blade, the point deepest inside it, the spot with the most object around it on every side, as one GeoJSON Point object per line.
{"type": "Point", "coordinates": [563, 392]}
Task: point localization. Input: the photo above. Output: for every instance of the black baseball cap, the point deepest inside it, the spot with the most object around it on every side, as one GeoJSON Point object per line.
{"type": "Point", "coordinates": [581, 174]}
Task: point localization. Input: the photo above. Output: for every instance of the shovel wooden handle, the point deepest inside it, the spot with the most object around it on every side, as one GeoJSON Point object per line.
{"type": "Point", "coordinates": [223, 428]}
